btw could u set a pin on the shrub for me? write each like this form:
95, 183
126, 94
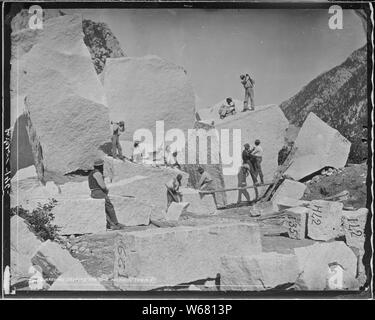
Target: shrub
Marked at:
39, 220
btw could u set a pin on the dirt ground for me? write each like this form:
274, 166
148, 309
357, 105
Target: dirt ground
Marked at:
352, 178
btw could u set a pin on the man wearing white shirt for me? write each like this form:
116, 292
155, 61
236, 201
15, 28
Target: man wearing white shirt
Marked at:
257, 152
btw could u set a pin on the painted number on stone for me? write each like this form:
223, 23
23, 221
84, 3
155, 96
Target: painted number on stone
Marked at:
121, 260
315, 217
293, 225
354, 231
36, 20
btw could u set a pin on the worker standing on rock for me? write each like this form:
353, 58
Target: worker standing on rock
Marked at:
257, 152
116, 146
241, 176
100, 191
248, 85
173, 186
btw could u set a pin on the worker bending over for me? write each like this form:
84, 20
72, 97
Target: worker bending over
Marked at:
173, 193
206, 183
100, 191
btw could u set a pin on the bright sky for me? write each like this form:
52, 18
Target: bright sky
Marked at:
281, 49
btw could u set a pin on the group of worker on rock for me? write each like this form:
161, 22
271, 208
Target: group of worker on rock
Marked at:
230, 108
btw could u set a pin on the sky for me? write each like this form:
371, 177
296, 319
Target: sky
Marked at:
282, 49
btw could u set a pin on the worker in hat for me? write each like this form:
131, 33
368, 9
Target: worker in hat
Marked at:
248, 84
243, 172
257, 152
117, 128
173, 193
100, 191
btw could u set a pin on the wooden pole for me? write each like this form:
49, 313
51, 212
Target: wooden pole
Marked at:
233, 189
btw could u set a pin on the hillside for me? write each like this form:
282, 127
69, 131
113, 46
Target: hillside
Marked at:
338, 97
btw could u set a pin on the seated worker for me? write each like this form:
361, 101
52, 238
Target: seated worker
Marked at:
170, 159
173, 186
228, 108
241, 176
100, 191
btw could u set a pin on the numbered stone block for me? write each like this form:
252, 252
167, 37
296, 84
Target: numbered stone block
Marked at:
264, 271
354, 223
325, 266
155, 258
296, 222
175, 210
324, 220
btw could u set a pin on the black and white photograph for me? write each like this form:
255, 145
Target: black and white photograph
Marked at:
194, 149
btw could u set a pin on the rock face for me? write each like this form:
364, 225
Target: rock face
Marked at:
266, 123
290, 189
80, 216
315, 262
264, 271
203, 150
64, 100
101, 43
53, 260
131, 212
148, 89
339, 98
324, 220
175, 210
163, 257
318, 146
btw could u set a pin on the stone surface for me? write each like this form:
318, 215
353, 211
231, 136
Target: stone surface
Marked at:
296, 222
175, 210
80, 216
262, 209
282, 203
151, 190
167, 257
78, 279
131, 212
290, 189
318, 146
264, 271
266, 123
354, 223
62, 97
324, 219
203, 150
315, 261
150, 89
54, 260
23, 244
201, 205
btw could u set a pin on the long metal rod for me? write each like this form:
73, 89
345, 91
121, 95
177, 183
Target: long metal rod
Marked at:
233, 189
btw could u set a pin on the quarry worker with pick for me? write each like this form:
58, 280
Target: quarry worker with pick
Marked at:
248, 85
206, 183
257, 152
117, 128
100, 191
173, 186
241, 176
